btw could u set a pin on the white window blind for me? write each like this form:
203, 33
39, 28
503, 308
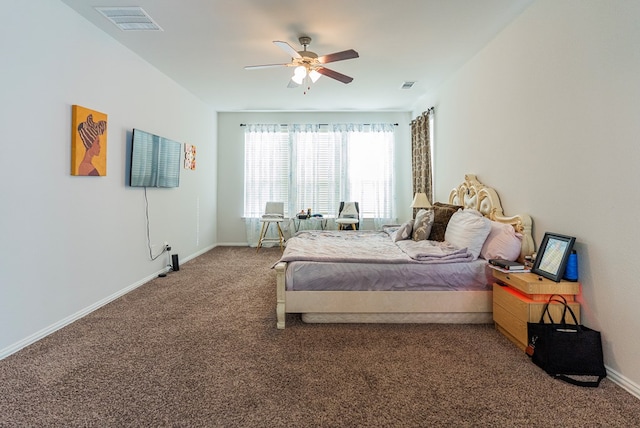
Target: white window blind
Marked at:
317, 167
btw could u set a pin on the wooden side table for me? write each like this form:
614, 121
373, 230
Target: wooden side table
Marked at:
519, 298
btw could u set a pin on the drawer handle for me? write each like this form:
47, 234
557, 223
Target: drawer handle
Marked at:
508, 277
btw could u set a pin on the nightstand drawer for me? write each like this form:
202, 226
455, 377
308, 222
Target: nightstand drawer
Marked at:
510, 301
517, 328
535, 286
528, 310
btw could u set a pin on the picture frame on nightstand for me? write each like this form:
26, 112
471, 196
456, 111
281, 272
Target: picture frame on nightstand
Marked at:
552, 256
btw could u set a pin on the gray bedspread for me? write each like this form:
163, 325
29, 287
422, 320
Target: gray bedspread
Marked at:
368, 260
365, 246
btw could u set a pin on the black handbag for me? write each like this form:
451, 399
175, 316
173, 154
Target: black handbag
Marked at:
564, 350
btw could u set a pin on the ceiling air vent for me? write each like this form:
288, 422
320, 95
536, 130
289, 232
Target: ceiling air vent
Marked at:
129, 18
407, 85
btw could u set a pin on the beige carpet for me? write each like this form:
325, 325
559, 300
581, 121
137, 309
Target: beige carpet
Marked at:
200, 349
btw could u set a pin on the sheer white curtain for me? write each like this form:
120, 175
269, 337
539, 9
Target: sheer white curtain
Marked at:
368, 150
316, 167
266, 175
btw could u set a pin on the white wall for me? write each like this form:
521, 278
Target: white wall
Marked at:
71, 243
548, 114
231, 227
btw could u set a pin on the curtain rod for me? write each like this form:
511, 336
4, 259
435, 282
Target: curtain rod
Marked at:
319, 124
427, 112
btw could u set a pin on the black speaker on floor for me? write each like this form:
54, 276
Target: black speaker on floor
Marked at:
175, 263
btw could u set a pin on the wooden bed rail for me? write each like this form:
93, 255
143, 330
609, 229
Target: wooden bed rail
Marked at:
280, 294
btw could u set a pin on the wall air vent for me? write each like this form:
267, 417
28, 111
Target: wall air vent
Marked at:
129, 18
407, 85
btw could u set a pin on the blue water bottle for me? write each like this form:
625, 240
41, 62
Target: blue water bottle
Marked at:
571, 271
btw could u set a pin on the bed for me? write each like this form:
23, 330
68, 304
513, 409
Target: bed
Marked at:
456, 293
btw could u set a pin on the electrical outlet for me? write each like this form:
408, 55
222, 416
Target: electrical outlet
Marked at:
167, 246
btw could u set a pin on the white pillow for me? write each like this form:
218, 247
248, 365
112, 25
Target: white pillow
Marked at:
468, 229
503, 242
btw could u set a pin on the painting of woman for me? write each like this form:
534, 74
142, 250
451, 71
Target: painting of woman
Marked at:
89, 152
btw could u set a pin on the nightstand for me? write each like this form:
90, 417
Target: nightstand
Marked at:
519, 298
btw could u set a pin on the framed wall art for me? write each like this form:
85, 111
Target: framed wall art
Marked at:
189, 157
88, 142
552, 256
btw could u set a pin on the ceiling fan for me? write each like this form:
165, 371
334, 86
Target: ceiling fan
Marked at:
308, 65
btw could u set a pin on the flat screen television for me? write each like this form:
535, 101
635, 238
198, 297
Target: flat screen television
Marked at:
155, 161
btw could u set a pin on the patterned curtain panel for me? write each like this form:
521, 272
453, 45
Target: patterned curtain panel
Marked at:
421, 154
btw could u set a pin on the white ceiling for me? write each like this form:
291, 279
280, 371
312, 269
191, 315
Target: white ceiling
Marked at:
206, 43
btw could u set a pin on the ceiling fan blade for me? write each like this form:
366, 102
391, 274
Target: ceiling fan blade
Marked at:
287, 48
254, 67
334, 75
338, 56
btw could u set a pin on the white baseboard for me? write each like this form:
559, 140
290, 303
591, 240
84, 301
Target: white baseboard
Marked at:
623, 382
29, 340
199, 253
232, 244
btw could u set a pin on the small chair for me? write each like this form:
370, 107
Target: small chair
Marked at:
273, 213
348, 216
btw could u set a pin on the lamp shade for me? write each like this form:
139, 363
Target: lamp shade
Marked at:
420, 200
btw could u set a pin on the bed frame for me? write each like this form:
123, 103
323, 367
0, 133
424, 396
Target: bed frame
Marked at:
452, 307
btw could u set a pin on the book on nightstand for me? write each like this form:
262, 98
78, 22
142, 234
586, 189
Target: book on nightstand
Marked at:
507, 265
499, 269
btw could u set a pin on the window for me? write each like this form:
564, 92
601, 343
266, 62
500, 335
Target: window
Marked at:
313, 166
266, 171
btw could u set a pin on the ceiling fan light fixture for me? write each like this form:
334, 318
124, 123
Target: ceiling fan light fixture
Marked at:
308, 66
299, 74
314, 75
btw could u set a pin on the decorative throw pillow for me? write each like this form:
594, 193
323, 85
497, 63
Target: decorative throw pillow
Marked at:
451, 206
441, 215
419, 218
468, 229
422, 225
503, 242
403, 232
